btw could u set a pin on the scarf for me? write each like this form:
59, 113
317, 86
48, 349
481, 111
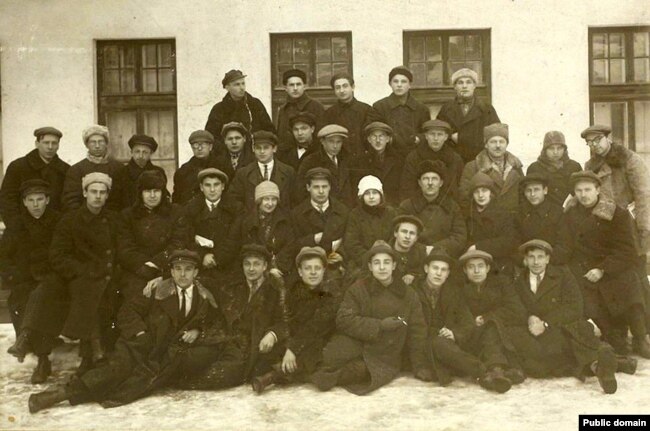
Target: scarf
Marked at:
97, 160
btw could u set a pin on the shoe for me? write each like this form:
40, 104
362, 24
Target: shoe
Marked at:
641, 347
42, 371
45, 399
85, 365
495, 380
605, 368
626, 365
21, 347
260, 383
515, 375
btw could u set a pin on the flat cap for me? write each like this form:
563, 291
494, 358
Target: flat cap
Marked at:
47, 131
145, 140
436, 166
291, 73
184, 255
333, 130
536, 243
400, 70
475, 254
232, 75
406, 218
534, 178
481, 179
495, 129
212, 172
96, 129
35, 185
464, 73
378, 125
318, 173
380, 246
233, 125
439, 254
584, 176
265, 137
436, 124
303, 117
96, 177
309, 252
554, 137
201, 136
596, 129
256, 250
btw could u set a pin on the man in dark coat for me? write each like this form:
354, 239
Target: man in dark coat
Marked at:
265, 168
239, 152
538, 216
96, 140
171, 335
410, 254
83, 254
401, 111
320, 220
597, 241
450, 328
24, 266
333, 156
40, 163
379, 317
444, 226
433, 147
467, 115
142, 147
237, 105
312, 303
349, 112
295, 83
292, 153
186, 183
559, 341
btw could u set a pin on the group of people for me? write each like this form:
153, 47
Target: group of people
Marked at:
341, 246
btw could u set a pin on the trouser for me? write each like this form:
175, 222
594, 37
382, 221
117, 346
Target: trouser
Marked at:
17, 303
614, 328
227, 370
450, 355
485, 342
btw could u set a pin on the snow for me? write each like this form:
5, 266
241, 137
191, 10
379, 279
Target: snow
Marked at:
404, 404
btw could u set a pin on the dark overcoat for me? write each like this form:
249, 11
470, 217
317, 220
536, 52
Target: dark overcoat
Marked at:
538, 222
186, 182
342, 187
132, 172
307, 222
292, 107
223, 161
406, 120
365, 226
388, 168
242, 187
492, 230
354, 116
559, 176
72, 196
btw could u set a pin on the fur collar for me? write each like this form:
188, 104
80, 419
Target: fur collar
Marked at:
484, 163
604, 209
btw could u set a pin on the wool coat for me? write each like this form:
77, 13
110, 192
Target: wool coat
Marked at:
186, 182
538, 221
559, 176
242, 187
405, 119
365, 226
354, 116
492, 230
292, 107
72, 195
307, 222
132, 172
388, 168
342, 187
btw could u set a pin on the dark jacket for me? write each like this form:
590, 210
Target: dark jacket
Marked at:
559, 184
223, 161
406, 120
73, 192
290, 108
493, 231
250, 112
469, 127
26, 168
288, 154
242, 187
538, 222
409, 180
186, 182
365, 226
307, 222
354, 116
387, 168
410, 262
132, 172
342, 187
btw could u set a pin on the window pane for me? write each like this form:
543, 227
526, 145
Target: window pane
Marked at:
477, 67
456, 47
149, 84
419, 74
434, 49
339, 68
434, 74
600, 72
323, 74
339, 49
416, 49
613, 114
149, 55
160, 125
642, 126
284, 51
642, 69
323, 49
300, 50
128, 81
473, 47
165, 55
453, 66
281, 69
128, 56
616, 45
641, 44
111, 57
599, 45
121, 125
166, 80
616, 71
111, 81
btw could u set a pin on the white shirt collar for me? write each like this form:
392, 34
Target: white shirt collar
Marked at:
269, 164
189, 292
210, 203
322, 207
301, 152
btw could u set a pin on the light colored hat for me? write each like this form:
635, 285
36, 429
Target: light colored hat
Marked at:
96, 177
464, 73
476, 254
94, 130
309, 252
266, 188
333, 130
370, 182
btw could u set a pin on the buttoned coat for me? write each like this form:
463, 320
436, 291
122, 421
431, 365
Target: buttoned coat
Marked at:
242, 187
354, 116
72, 196
406, 120
538, 221
308, 222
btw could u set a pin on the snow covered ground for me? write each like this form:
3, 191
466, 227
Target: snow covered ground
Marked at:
404, 404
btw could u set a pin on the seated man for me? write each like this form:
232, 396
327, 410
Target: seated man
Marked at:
378, 318
142, 147
186, 185
171, 335
538, 216
409, 253
312, 303
25, 266
444, 226
596, 240
559, 340
451, 328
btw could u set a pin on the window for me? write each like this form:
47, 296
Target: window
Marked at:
619, 83
319, 55
433, 56
137, 94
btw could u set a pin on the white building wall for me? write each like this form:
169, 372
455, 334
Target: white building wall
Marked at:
539, 56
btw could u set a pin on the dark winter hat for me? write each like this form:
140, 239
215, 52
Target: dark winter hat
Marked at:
150, 180
145, 140
47, 131
476, 254
439, 254
496, 129
596, 129
380, 246
436, 124
264, 137
184, 255
584, 176
400, 70
303, 117
378, 125
481, 179
294, 73
536, 178
309, 252
432, 166
318, 173
36, 185
232, 75
535, 244
212, 172
233, 125
341, 75
201, 136
256, 250
408, 219
553, 137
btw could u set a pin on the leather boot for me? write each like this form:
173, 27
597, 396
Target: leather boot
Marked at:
495, 380
641, 347
515, 375
85, 365
605, 368
260, 383
353, 372
21, 347
42, 371
47, 398
625, 364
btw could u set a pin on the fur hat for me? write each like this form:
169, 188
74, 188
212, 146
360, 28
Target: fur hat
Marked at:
96, 177
400, 70
152, 180
464, 73
481, 179
94, 130
496, 129
553, 137
436, 166
291, 73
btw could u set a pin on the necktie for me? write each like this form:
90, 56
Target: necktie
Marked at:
320, 208
253, 290
183, 310
234, 160
212, 206
266, 172
538, 279
336, 162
